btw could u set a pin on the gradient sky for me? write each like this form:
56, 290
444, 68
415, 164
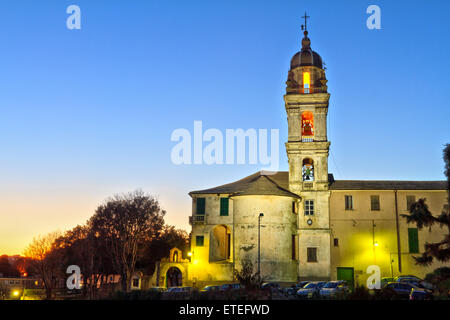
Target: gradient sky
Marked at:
89, 113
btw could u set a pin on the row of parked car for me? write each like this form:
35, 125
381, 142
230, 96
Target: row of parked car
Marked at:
409, 286
406, 287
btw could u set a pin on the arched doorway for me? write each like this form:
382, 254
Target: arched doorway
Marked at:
220, 243
174, 277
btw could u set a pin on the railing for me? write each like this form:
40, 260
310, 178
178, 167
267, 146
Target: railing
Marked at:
197, 219
308, 139
308, 90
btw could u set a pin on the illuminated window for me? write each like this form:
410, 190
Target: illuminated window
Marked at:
308, 169
307, 124
309, 207
306, 82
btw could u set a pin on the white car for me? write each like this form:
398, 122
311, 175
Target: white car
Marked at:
333, 288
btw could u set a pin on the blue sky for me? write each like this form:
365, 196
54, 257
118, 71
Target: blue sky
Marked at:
89, 113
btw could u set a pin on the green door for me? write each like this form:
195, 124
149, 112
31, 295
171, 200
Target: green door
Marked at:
348, 275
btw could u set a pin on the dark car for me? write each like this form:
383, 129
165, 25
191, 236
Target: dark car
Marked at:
384, 281
407, 278
210, 288
420, 294
301, 284
273, 286
402, 289
231, 286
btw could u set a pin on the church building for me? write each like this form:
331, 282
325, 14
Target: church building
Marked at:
303, 224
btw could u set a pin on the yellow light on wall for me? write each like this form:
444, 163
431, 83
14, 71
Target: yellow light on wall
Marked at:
376, 244
190, 254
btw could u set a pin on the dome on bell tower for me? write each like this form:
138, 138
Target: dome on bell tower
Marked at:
306, 57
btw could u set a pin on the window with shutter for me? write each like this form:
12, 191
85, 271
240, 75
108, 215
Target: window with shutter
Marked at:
224, 205
413, 240
200, 205
199, 240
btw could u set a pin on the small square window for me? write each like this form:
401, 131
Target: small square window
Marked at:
136, 282
199, 240
312, 254
375, 203
336, 242
309, 207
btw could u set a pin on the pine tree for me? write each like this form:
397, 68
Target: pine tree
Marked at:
422, 217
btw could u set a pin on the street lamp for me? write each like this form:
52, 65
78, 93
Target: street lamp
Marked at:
259, 245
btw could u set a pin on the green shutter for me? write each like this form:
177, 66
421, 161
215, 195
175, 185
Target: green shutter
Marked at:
224, 202
200, 205
199, 241
413, 239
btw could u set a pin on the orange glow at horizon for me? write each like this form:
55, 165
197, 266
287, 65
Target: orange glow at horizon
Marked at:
25, 216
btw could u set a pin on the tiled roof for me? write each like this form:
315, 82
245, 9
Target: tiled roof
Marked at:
277, 183
260, 183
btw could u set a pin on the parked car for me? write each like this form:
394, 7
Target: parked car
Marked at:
407, 278
420, 294
301, 284
231, 286
384, 281
333, 288
210, 288
310, 290
402, 289
273, 286
179, 289
158, 289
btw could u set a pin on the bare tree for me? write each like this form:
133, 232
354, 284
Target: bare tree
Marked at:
124, 222
44, 259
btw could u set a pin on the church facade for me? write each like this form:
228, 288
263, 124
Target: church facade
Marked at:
303, 224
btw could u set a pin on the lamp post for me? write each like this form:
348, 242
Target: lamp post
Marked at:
259, 245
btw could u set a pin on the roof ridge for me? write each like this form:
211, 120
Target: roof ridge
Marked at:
280, 187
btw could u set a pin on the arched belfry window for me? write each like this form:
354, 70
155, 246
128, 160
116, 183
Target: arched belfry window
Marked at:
307, 124
306, 82
308, 169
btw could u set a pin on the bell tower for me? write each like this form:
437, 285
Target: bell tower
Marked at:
306, 102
